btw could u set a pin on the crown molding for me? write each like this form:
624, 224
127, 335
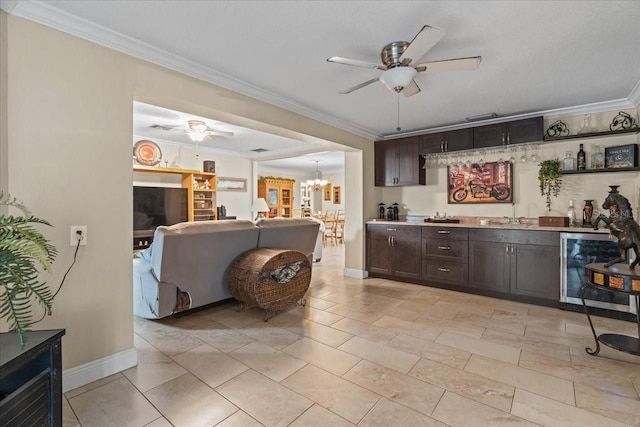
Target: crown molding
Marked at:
8, 5
42, 13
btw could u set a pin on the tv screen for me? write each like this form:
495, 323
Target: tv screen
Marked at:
154, 206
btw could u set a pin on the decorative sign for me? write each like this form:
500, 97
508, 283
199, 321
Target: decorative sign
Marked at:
621, 156
232, 184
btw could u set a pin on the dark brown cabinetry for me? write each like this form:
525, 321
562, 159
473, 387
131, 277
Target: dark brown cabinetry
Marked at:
393, 250
508, 133
445, 254
31, 379
399, 162
442, 142
523, 263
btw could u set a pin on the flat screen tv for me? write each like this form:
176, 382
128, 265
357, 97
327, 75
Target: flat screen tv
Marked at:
154, 206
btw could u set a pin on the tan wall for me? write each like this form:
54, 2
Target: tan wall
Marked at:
3, 103
69, 159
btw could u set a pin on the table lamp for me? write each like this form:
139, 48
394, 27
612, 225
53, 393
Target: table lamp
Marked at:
260, 206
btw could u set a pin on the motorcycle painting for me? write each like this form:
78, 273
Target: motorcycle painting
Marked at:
490, 183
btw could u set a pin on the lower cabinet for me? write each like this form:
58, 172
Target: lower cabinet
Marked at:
525, 263
394, 250
516, 264
444, 255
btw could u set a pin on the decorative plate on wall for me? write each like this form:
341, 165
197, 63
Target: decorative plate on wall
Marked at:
147, 152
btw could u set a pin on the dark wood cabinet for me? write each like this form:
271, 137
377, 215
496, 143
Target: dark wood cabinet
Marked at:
524, 263
445, 254
393, 250
31, 379
442, 142
399, 162
508, 133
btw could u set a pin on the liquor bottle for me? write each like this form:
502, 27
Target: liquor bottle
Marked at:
582, 159
568, 161
571, 213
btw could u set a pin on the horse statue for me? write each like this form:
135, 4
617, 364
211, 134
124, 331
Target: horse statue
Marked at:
621, 225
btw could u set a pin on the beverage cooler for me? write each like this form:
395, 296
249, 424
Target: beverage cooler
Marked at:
578, 250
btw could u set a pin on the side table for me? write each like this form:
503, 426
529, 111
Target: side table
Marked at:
617, 278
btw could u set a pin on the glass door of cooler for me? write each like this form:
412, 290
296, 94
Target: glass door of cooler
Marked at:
578, 250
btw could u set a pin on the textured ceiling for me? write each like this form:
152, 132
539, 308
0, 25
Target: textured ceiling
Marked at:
541, 56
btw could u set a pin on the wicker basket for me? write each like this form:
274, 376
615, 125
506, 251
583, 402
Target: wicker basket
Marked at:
272, 279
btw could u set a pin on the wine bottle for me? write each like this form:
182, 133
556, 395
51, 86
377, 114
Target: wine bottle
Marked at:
582, 159
571, 213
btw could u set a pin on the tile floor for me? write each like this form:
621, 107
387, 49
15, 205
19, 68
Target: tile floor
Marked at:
369, 353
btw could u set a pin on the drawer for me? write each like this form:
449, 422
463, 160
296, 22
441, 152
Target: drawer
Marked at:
454, 250
398, 231
435, 232
445, 272
526, 237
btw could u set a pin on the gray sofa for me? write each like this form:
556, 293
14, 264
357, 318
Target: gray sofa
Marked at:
187, 264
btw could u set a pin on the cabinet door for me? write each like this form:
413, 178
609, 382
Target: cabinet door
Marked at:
489, 265
386, 164
461, 139
535, 271
409, 170
431, 143
379, 255
489, 135
527, 130
407, 257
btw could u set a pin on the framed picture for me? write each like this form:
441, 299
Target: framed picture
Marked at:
490, 183
231, 184
621, 156
327, 192
336, 195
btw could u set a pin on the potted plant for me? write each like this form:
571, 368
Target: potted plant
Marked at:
23, 252
549, 179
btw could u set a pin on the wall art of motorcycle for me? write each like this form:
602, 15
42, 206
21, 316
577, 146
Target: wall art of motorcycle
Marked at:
491, 182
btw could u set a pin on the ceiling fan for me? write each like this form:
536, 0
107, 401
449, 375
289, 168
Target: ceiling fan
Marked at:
196, 129
399, 62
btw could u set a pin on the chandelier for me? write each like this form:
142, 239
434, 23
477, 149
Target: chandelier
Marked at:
318, 183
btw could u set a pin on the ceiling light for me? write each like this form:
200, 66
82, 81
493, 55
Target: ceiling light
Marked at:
318, 183
197, 136
398, 78
197, 126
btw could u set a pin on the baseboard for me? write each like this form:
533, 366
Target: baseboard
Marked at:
355, 273
98, 369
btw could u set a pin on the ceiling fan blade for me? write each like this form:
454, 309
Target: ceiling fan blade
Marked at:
361, 85
455, 64
411, 89
355, 63
422, 43
218, 133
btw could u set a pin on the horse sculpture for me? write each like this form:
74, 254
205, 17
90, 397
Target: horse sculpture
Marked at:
621, 225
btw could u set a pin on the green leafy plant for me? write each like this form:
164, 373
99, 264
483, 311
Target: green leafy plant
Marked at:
549, 179
23, 252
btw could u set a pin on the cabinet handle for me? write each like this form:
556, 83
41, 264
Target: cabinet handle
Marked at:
512, 250
508, 138
389, 240
391, 229
506, 250
444, 270
444, 232
442, 146
446, 146
503, 141
444, 248
393, 241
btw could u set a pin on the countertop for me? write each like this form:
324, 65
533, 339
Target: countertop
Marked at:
495, 223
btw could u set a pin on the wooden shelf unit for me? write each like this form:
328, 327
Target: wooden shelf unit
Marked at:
278, 193
201, 191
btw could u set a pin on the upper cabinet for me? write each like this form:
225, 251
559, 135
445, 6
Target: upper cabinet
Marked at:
399, 162
443, 142
516, 132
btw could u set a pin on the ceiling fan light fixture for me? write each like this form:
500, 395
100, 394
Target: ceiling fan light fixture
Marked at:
398, 78
197, 126
197, 136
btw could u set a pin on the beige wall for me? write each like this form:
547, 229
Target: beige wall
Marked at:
69, 159
4, 170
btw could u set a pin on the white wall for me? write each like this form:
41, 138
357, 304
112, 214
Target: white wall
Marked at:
432, 198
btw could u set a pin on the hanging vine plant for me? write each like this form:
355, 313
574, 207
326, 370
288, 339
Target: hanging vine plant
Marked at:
549, 177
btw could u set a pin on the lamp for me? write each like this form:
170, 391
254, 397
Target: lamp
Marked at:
318, 183
398, 78
259, 207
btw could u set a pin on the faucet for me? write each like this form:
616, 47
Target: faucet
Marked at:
513, 219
